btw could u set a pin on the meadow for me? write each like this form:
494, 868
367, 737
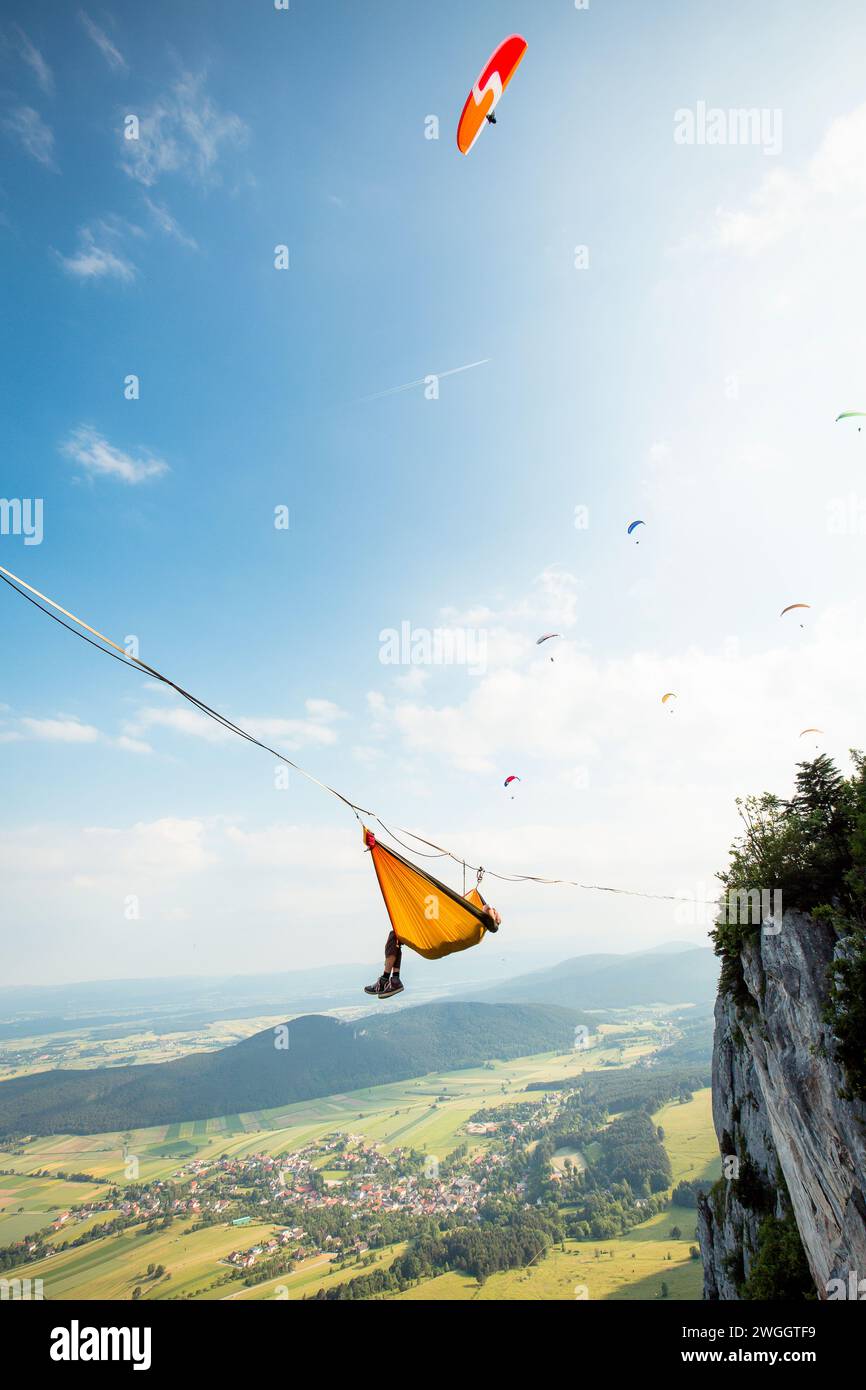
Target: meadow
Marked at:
634, 1266
426, 1113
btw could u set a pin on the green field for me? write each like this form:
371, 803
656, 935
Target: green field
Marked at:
426, 1113
630, 1267
310, 1276
22, 1224
690, 1138
404, 1113
83, 1049
577, 1159
112, 1268
627, 1267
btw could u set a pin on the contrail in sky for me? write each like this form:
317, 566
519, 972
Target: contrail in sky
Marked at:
409, 385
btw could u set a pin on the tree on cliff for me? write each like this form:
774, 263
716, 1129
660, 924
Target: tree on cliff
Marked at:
813, 849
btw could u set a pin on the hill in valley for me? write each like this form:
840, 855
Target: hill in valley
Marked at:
602, 981
308, 1057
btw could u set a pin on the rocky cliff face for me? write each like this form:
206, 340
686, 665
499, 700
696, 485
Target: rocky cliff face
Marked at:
777, 1110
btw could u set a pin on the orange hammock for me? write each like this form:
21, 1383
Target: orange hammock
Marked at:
426, 915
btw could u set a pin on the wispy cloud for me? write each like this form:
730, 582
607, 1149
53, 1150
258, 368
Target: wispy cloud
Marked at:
131, 745
65, 728
551, 602
113, 57
184, 133
87, 448
180, 721
168, 224
316, 730
60, 730
787, 201
34, 59
96, 258
35, 137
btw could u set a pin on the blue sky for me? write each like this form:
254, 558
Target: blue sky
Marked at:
690, 375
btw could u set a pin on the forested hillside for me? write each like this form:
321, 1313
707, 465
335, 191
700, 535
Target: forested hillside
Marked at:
311, 1056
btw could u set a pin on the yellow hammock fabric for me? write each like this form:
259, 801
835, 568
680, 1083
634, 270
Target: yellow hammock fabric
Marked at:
426, 915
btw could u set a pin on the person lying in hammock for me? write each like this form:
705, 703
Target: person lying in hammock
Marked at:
389, 982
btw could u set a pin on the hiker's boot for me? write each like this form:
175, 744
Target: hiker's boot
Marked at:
380, 987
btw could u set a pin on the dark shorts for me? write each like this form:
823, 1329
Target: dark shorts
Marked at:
393, 948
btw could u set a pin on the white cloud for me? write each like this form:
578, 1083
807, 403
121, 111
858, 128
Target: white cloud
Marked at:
184, 133
27, 127
170, 845
60, 730
787, 203
414, 680
131, 745
367, 756
287, 734
97, 259
284, 846
195, 883
109, 855
87, 448
551, 602
185, 721
66, 729
113, 57
169, 225
34, 59
324, 711
605, 712
101, 253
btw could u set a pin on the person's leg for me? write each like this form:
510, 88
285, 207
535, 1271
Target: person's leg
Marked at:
393, 956
389, 981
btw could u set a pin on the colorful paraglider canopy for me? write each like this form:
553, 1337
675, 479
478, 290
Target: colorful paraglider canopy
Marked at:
498, 72
510, 779
457, 924
671, 695
850, 415
634, 526
546, 638
792, 606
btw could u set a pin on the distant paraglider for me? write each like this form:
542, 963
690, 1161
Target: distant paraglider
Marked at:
633, 527
811, 731
546, 637
671, 695
498, 72
851, 415
792, 606
509, 782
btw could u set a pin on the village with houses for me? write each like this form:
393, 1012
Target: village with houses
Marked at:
333, 1198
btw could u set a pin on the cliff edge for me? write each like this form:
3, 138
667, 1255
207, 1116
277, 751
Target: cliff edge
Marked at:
793, 1150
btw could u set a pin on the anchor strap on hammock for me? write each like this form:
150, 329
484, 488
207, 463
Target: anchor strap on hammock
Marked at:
427, 916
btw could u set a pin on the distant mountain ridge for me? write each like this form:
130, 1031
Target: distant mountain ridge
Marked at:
184, 1002
607, 981
322, 1057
